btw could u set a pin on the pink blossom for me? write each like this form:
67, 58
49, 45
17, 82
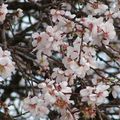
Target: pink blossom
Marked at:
3, 12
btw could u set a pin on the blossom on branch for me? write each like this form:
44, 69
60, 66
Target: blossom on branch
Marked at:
3, 12
7, 66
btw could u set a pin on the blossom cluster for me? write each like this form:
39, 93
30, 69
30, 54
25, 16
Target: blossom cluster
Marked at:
66, 57
95, 95
74, 39
7, 66
53, 96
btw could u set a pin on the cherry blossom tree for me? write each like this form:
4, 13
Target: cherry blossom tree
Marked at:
60, 59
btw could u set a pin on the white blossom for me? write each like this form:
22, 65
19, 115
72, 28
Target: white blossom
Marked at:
19, 12
95, 95
95, 8
3, 12
7, 66
36, 106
